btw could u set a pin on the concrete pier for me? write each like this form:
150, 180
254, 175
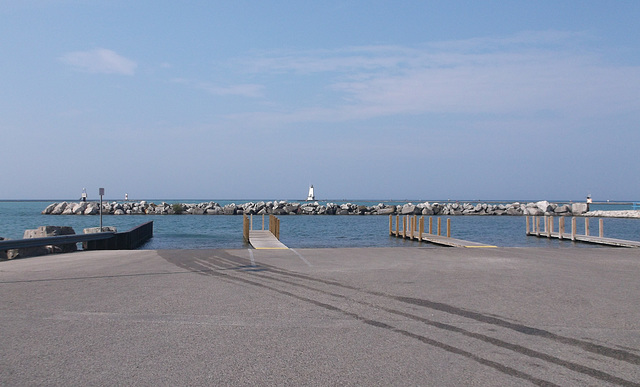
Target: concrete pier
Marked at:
365, 316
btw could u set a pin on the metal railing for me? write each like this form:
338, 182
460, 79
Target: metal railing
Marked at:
53, 241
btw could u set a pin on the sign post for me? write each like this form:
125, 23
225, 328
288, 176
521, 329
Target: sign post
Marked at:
101, 192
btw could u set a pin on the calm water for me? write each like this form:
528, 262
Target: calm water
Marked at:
300, 231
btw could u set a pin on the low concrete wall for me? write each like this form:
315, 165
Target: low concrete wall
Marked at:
47, 240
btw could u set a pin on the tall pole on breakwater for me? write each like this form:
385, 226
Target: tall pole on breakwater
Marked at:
101, 192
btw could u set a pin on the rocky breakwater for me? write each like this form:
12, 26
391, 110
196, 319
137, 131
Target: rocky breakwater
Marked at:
284, 207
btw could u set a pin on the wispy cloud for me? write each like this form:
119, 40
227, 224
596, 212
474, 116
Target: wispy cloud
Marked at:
100, 60
481, 50
249, 90
524, 74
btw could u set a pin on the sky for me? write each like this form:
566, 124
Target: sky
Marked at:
377, 100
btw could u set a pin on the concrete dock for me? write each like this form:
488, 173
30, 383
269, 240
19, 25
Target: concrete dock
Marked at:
352, 317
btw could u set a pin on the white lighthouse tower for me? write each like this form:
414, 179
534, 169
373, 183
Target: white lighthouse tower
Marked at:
311, 196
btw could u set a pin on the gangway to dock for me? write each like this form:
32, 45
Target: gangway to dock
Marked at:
414, 229
263, 239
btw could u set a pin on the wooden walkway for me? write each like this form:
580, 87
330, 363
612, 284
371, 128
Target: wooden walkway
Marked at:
414, 229
589, 239
533, 229
450, 242
263, 239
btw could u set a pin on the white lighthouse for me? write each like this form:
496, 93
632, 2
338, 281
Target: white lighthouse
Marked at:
311, 196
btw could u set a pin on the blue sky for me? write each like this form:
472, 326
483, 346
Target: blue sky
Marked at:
364, 99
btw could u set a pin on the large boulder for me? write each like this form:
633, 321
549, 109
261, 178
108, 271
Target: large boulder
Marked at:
291, 208
7, 254
579, 208
92, 209
562, 210
362, 209
196, 211
68, 210
59, 208
457, 210
408, 209
281, 211
79, 208
94, 230
47, 231
308, 209
387, 210
49, 209
248, 208
230, 209
514, 211
534, 211
427, 210
545, 206
332, 208
214, 211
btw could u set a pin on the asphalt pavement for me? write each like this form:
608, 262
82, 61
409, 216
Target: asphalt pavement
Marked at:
323, 317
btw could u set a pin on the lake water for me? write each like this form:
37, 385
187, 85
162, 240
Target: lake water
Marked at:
301, 231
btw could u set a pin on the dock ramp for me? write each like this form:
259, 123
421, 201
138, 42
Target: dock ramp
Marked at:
263, 239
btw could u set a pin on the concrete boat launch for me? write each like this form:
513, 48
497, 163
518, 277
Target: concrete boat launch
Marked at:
364, 316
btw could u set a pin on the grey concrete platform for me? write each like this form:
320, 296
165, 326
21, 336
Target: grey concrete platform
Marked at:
352, 317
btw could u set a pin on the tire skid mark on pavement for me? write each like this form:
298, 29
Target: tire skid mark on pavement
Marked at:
230, 261
222, 264
614, 353
592, 372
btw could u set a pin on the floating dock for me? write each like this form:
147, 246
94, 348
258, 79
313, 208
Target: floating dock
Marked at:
414, 228
533, 229
263, 239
